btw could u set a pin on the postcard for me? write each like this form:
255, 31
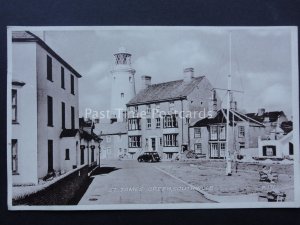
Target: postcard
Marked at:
150, 117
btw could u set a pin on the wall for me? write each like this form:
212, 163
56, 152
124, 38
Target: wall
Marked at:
53, 89
116, 142
24, 69
203, 140
69, 143
71, 187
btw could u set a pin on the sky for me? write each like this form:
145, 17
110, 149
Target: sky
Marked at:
260, 61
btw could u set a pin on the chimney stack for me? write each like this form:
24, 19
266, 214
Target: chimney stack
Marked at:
188, 74
215, 103
233, 104
146, 81
261, 111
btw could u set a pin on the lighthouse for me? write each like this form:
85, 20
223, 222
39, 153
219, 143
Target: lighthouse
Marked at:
122, 84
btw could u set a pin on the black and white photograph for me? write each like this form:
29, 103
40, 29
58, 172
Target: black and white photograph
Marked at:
152, 117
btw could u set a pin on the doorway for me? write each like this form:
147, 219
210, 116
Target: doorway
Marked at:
50, 156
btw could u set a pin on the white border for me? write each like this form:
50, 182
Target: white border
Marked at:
295, 91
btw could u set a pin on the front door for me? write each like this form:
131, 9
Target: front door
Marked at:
50, 156
82, 156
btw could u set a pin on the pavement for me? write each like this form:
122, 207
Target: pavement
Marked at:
130, 182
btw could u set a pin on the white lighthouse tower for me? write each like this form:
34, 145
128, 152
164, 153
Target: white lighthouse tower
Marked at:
122, 85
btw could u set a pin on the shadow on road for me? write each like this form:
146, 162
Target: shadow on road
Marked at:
104, 170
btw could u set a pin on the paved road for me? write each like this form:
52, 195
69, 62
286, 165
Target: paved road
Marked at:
130, 182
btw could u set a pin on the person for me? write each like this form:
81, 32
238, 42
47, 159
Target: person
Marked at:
270, 175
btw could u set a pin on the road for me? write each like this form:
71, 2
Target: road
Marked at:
130, 182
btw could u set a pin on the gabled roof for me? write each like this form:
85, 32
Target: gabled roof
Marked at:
115, 128
287, 126
220, 118
26, 36
167, 91
273, 116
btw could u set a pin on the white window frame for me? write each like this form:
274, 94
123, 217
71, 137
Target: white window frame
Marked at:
158, 122
198, 148
241, 131
14, 105
149, 123
134, 141
222, 132
170, 140
213, 135
197, 134
14, 156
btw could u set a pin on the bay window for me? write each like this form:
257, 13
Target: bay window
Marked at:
134, 141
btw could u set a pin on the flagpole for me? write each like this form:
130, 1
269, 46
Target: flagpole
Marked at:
227, 154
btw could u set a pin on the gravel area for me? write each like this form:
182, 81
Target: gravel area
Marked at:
210, 175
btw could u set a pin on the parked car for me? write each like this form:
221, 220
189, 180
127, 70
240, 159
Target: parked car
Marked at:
149, 157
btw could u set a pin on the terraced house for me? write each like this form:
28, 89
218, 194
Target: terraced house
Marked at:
160, 114
45, 125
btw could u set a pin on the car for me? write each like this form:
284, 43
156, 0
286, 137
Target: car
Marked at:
149, 157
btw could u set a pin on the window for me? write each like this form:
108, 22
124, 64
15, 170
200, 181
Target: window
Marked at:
134, 141
136, 109
241, 130
222, 132
198, 148
50, 110
108, 139
14, 156
134, 124
269, 150
67, 154
49, 68
148, 110
213, 133
170, 140
72, 117
14, 105
170, 121
108, 150
157, 122
160, 141
222, 149
62, 77
242, 145
169, 155
72, 85
63, 119
171, 106
197, 132
122, 95
291, 148
148, 123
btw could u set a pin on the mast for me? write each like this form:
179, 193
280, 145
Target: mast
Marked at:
227, 154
